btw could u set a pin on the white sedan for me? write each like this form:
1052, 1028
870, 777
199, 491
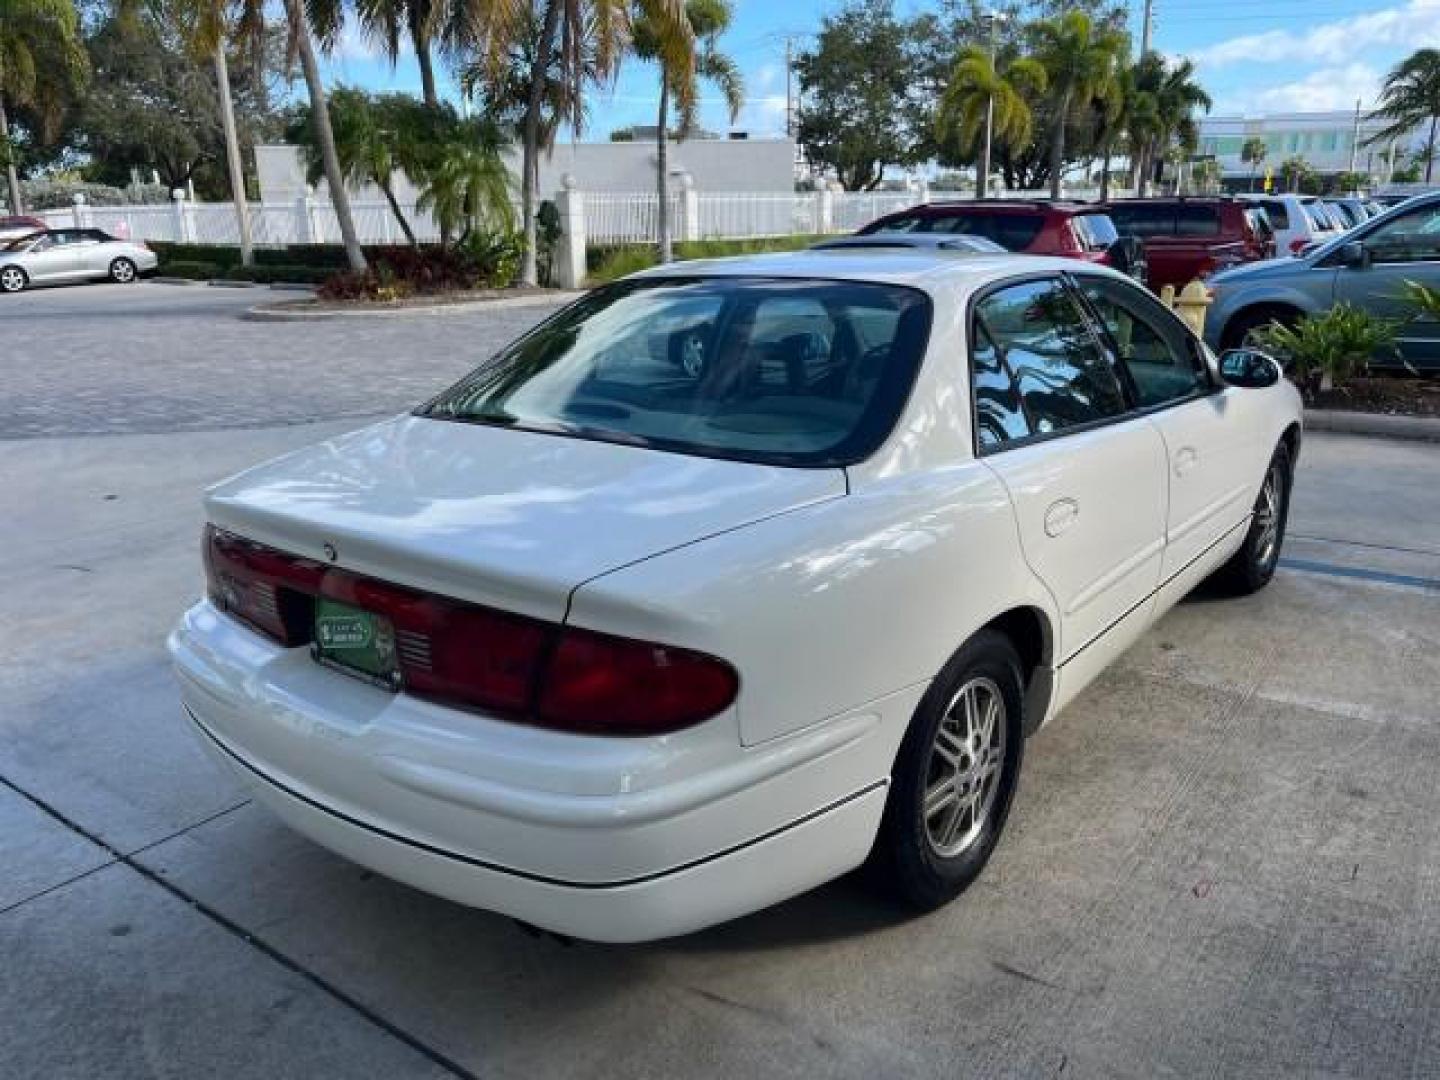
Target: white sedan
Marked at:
623, 646
59, 255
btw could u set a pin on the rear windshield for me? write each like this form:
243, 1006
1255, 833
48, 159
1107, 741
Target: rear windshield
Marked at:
1260, 222
777, 371
1096, 231
1144, 219
1012, 231
1318, 215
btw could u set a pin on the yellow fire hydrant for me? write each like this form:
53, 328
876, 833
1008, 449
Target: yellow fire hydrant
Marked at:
1190, 305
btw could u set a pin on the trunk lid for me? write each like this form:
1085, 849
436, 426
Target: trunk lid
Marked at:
511, 519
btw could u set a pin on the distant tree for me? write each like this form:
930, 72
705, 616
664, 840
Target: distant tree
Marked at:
1293, 171
1080, 60
42, 65
1410, 97
1252, 153
1111, 106
976, 82
1163, 113
854, 113
708, 20
467, 185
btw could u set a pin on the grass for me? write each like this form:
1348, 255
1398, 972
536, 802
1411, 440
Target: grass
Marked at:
610, 263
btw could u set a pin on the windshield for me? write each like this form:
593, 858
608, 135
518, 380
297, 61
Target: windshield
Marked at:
778, 371
19, 243
1012, 231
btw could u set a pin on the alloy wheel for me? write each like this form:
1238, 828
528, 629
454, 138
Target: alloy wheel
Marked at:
11, 279
1268, 513
122, 271
964, 771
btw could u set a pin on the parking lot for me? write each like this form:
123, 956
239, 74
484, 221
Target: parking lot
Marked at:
1223, 859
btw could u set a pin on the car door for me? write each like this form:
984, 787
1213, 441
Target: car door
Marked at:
1399, 249
49, 259
1085, 473
1212, 462
92, 254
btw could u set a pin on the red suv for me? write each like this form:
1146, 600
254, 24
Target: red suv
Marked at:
1188, 239
1033, 227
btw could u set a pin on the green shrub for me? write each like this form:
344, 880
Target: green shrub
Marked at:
1329, 348
194, 271
611, 262
280, 272
215, 254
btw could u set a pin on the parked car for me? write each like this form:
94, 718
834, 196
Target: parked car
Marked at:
883, 241
1367, 267
1298, 220
624, 653
12, 228
1188, 239
1352, 210
59, 255
1031, 227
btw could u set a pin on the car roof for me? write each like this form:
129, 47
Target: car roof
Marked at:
955, 243
921, 268
1029, 206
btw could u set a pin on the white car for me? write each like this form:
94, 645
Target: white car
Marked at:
59, 255
624, 648
1298, 220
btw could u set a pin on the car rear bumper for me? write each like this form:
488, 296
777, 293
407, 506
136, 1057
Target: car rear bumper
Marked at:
604, 839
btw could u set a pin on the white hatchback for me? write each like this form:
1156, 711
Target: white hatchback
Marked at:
726, 579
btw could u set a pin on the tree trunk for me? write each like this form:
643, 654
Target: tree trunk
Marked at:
232, 157
320, 112
1057, 146
12, 175
662, 174
1105, 173
1430, 149
420, 41
529, 268
399, 214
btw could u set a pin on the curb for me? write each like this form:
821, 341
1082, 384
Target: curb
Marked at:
225, 283
286, 311
1380, 425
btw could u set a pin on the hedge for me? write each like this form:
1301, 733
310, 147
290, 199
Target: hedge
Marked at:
609, 262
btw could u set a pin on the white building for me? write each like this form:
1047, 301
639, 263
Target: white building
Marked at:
1327, 140
728, 165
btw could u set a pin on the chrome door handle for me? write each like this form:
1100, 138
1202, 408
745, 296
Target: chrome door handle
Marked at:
1186, 458
1060, 516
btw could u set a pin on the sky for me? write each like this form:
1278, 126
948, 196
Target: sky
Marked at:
1253, 56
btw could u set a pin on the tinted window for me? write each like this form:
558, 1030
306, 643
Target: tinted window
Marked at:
1197, 221
1411, 237
1278, 215
1260, 222
781, 371
1143, 219
1065, 378
998, 415
1012, 231
1159, 355
1096, 231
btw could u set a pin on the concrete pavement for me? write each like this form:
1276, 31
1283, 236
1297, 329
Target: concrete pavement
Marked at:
1222, 860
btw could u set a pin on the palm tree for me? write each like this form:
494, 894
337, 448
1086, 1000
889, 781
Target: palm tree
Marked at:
469, 187
975, 82
708, 19
1180, 95
204, 27
387, 22
1252, 153
583, 40
1112, 108
1162, 113
1409, 97
1079, 60
41, 59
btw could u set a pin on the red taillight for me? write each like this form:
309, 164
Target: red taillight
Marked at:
616, 686
464, 654
1298, 244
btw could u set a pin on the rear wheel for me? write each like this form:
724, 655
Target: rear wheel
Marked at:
122, 271
955, 776
1251, 568
12, 279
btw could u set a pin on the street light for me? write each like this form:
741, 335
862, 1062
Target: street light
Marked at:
989, 20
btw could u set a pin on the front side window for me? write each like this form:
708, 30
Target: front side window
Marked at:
1065, 379
1159, 355
1412, 237
778, 371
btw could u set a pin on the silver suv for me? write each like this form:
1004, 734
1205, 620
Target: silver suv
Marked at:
1366, 267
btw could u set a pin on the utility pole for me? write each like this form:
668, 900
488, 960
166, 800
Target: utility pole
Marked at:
1146, 26
991, 20
1355, 137
790, 88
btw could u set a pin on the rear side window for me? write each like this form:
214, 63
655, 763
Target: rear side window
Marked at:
1064, 378
1096, 231
999, 417
1144, 219
1012, 231
1275, 210
1197, 221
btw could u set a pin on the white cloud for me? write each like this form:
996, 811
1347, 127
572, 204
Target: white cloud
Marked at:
1323, 90
1413, 26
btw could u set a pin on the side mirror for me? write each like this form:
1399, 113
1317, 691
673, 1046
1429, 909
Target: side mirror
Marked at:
1249, 368
1354, 254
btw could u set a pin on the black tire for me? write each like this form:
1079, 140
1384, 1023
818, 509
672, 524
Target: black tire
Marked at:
689, 351
13, 279
123, 271
908, 860
1241, 326
1251, 568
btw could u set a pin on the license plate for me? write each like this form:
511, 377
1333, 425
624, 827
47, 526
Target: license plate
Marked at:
360, 642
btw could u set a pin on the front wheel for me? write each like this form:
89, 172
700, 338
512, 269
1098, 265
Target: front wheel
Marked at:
12, 279
1251, 568
955, 776
122, 271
